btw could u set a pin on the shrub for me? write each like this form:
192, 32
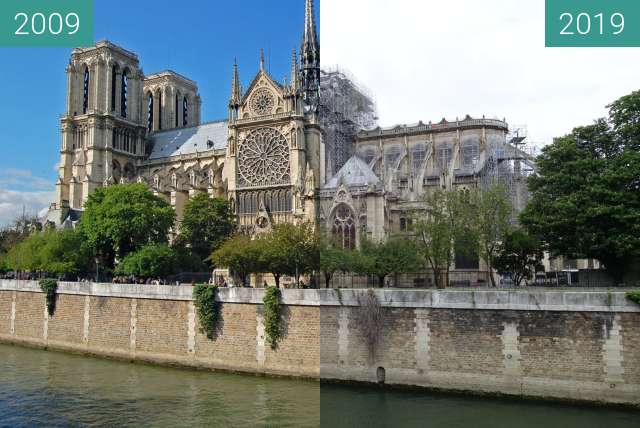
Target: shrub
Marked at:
634, 296
272, 316
50, 287
204, 296
154, 260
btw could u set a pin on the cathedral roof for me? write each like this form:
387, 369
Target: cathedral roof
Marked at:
355, 172
185, 141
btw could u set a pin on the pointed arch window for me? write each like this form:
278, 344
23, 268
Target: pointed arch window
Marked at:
114, 82
150, 113
124, 93
160, 110
85, 91
185, 108
344, 227
177, 110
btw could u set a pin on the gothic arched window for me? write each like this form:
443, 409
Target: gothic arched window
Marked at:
124, 93
160, 110
344, 227
85, 91
177, 109
418, 155
391, 156
185, 108
114, 82
470, 154
445, 154
150, 113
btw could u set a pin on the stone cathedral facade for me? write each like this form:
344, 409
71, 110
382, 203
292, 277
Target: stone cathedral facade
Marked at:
122, 126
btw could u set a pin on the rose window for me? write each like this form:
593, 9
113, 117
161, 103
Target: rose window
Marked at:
263, 158
262, 102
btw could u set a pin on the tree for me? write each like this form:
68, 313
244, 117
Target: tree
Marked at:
585, 200
492, 214
445, 222
332, 259
121, 219
153, 260
519, 255
25, 256
289, 249
239, 254
390, 257
206, 224
64, 252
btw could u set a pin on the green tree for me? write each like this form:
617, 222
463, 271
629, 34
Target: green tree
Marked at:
490, 222
206, 224
26, 255
64, 252
121, 219
585, 200
334, 258
519, 255
153, 260
240, 255
391, 257
437, 229
289, 249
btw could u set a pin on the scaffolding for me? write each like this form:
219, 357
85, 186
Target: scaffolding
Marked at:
345, 108
510, 164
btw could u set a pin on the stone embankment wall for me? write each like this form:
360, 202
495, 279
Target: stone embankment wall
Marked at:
579, 345
159, 324
566, 345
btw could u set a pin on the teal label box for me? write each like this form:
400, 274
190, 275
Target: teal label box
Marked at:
592, 23
46, 23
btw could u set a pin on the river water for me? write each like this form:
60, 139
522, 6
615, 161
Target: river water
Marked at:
44, 388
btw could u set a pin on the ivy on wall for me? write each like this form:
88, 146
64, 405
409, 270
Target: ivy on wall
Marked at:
208, 307
272, 316
634, 296
50, 287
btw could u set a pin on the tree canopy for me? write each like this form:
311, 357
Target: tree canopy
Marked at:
153, 260
121, 219
207, 222
585, 200
519, 255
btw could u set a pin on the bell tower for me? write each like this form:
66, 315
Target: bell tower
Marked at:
103, 126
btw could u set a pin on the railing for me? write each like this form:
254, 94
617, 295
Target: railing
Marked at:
269, 117
408, 280
422, 127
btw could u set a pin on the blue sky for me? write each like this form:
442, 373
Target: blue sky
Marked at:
204, 38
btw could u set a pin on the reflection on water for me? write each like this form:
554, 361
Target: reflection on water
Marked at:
40, 388
347, 406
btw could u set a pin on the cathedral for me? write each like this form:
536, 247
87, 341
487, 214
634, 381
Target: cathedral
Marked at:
307, 149
122, 126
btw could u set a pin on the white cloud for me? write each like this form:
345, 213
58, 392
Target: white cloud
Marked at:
22, 179
12, 203
424, 60
21, 190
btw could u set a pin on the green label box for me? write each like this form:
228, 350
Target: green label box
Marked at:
46, 23
592, 23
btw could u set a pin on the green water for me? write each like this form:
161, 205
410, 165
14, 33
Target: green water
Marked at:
41, 388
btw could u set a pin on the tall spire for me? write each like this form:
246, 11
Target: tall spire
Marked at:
261, 59
310, 60
235, 85
310, 43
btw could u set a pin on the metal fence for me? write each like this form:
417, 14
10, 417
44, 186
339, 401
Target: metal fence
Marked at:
408, 280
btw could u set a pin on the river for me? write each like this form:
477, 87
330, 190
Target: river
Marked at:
44, 388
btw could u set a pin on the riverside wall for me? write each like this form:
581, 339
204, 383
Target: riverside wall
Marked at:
570, 345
